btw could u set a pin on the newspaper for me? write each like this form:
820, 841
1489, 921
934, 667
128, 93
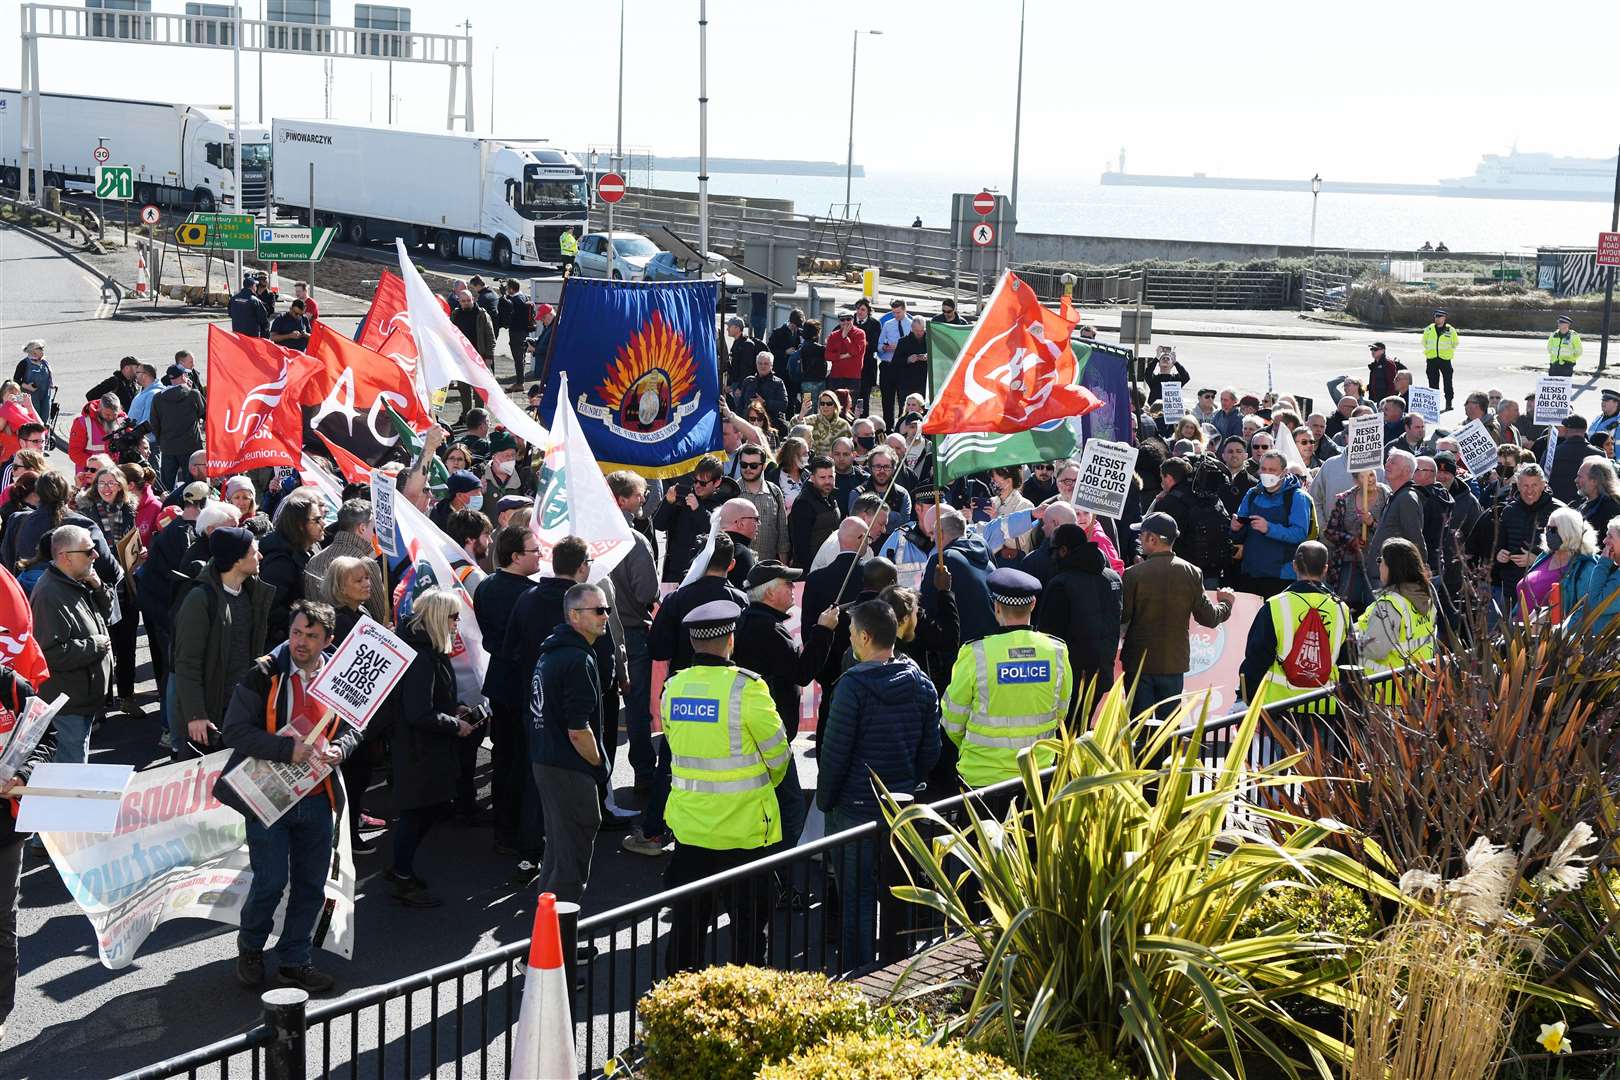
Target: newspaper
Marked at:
25, 735
271, 788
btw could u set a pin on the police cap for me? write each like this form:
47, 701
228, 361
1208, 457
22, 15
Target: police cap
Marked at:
1014, 587
713, 620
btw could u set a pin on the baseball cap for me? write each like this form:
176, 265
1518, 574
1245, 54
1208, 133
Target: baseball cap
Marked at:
771, 570
1160, 524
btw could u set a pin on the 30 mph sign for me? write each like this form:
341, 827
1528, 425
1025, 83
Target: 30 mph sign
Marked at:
102, 155
1608, 249
983, 234
610, 186
984, 204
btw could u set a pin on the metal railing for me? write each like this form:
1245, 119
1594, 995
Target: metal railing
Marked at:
459, 1017
15, 211
1322, 291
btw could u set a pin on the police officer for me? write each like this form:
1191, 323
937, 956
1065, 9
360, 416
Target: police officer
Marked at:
728, 751
1439, 346
1299, 638
568, 245
1563, 348
1008, 689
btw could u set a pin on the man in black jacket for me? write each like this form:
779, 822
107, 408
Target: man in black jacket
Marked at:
1572, 449
506, 684
15, 692
120, 382
293, 854
1081, 605
740, 352
248, 315
684, 514
739, 520
177, 422
815, 514
515, 315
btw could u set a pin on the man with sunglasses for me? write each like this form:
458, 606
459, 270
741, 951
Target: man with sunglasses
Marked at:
70, 606
771, 539
1042, 483
685, 512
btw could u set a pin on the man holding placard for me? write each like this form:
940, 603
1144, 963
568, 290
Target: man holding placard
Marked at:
15, 694
290, 855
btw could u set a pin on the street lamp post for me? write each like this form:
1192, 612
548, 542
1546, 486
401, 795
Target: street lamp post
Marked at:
849, 169
1316, 189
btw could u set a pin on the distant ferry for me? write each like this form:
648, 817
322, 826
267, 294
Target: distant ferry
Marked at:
1513, 173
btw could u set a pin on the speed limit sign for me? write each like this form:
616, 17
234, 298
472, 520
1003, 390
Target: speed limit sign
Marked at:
102, 155
150, 214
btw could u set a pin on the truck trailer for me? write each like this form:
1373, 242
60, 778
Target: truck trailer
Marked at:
463, 194
182, 155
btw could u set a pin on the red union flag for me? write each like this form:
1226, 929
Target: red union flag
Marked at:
1015, 371
387, 305
248, 427
18, 646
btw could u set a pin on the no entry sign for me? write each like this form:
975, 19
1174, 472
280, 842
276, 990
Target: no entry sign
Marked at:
610, 187
984, 204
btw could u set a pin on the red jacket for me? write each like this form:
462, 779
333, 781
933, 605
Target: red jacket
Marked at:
846, 353
89, 436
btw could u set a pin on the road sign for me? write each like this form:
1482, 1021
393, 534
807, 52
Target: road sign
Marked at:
984, 204
1608, 249
983, 234
610, 186
115, 182
226, 232
102, 155
150, 215
191, 234
295, 244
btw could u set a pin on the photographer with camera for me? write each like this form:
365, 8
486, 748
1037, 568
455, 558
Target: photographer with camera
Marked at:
177, 421
91, 428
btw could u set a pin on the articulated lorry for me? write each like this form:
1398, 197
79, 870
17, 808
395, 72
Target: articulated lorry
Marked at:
182, 155
465, 195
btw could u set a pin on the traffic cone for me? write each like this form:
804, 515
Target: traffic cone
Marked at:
543, 1047
140, 274
275, 280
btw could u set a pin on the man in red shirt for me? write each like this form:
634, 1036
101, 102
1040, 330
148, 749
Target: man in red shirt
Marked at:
846, 353
312, 310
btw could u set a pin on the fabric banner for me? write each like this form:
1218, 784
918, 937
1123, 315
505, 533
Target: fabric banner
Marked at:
572, 497
1215, 654
1016, 370
645, 377
179, 853
387, 311
1105, 370
250, 426
968, 453
344, 393
18, 646
436, 561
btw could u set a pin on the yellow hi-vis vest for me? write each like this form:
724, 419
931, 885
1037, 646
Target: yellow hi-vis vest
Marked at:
1008, 691
1562, 351
1287, 610
569, 244
1414, 638
727, 751
1441, 344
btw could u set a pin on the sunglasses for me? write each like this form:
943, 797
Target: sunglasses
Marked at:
751, 464
604, 610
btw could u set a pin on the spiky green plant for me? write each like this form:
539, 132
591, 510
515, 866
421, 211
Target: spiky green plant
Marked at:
1112, 901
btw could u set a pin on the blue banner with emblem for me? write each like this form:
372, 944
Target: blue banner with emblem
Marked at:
643, 373
1105, 371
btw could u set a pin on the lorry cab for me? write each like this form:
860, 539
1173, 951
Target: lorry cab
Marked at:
541, 191
210, 163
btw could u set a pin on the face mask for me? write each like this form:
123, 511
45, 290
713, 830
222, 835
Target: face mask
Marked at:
866, 442
1554, 541
476, 502
503, 469
1270, 481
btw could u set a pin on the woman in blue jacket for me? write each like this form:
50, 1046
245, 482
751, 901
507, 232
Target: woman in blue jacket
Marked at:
1595, 594
1271, 521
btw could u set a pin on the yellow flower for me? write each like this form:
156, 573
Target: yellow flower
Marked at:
610, 1067
1552, 1039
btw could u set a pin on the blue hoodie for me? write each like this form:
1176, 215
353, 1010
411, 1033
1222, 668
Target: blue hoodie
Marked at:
968, 560
884, 720
1271, 554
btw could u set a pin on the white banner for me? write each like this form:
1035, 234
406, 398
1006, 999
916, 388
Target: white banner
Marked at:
1106, 472
1174, 410
1364, 442
179, 853
1425, 401
382, 512
362, 672
1552, 400
1477, 447
572, 497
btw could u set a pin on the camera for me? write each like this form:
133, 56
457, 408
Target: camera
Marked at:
127, 442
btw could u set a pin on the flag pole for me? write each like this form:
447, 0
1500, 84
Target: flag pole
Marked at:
867, 532
551, 342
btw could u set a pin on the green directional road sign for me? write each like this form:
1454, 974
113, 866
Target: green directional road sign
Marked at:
115, 182
227, 232
294, 243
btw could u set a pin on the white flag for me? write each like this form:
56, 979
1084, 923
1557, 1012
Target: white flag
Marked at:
572, 497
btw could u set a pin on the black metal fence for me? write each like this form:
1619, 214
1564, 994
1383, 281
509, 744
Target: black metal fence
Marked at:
824, 906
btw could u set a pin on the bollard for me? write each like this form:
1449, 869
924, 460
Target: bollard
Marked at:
895, 917
568, 927
284, 1015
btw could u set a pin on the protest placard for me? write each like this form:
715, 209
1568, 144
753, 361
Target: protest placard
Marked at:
382, 512
72, 797
1364, 442
1106, 471
1477, 447
177, 852
1552, 400
1174, 410
358, 678
26, 733
1425, 401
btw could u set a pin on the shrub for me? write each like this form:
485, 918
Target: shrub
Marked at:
1328, 908
888, 1057
1053, 1057
723, 1023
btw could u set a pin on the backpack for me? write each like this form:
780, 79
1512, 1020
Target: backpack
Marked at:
1309, 662
1209, 532
1311, 530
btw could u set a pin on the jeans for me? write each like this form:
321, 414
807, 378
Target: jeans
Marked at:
1152, 689
295, 851
573, 816
855, 868
174, 468
638, 705
72, 737
11, 857
790, 801
652, 818
409, 829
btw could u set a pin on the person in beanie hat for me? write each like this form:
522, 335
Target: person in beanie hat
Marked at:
463, 491
220, 628
507, 472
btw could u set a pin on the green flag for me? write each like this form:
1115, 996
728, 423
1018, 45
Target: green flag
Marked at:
961, 455
438, 475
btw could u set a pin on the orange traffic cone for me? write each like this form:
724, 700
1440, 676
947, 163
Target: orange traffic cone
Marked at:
140, 274
543, 1047
275, 279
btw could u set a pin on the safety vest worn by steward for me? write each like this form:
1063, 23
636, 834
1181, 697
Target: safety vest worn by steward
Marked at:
1439, 344
1564, 351
1287, 610
1414, 640
569, 244
727, 751
1008, 691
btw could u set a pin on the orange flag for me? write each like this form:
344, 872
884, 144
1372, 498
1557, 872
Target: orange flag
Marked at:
1016, 371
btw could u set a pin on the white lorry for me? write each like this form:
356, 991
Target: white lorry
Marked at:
183, 155
466, 195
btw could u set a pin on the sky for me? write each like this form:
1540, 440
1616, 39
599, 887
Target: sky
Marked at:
1411, 91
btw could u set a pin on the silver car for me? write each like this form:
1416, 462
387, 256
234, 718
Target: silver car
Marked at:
631, 253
